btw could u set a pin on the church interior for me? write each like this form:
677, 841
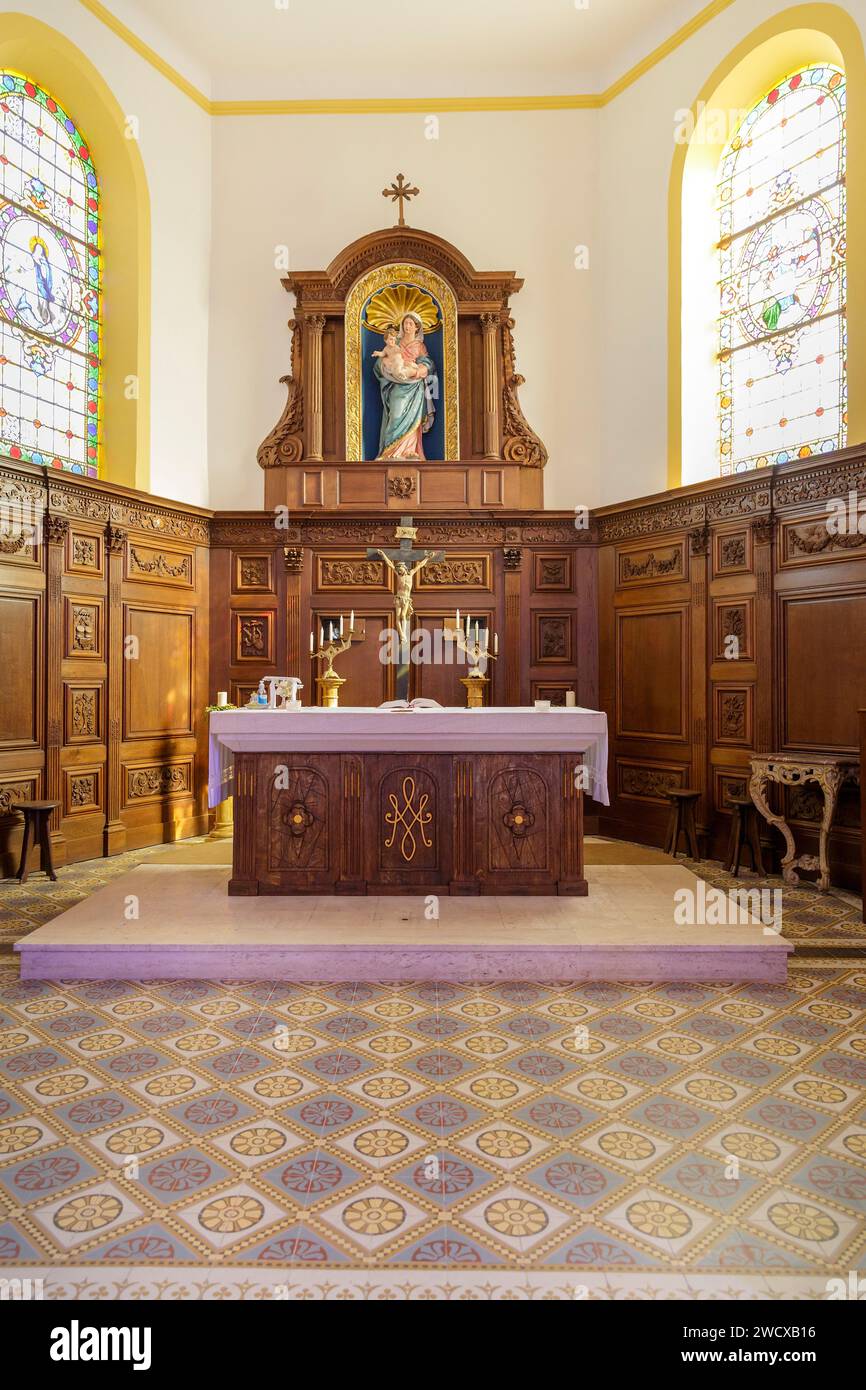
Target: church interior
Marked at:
432, 613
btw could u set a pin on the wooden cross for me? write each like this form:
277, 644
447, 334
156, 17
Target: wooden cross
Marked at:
400, 191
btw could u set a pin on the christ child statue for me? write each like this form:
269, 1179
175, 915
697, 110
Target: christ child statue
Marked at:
393, 363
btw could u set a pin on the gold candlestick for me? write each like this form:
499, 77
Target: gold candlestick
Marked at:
329, 681
477, 652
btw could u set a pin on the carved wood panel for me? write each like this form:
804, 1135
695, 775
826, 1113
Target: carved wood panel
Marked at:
404, 821
83, 711
252, 572
253, 637
171, 566
552, 572
658, 564
82, 790
552, 638
84, 628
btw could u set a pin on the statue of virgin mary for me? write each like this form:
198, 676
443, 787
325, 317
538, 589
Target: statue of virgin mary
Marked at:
408, 400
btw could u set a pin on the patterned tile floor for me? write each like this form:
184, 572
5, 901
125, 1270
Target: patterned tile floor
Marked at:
244, 1140
583, 1133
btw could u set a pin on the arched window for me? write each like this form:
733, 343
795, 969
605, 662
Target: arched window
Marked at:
49, 284
781, 340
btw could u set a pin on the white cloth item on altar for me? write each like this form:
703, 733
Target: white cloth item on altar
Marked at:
220, 772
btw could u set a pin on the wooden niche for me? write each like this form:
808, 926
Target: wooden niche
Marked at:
466, 443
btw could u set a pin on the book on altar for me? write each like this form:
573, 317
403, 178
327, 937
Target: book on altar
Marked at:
416, 704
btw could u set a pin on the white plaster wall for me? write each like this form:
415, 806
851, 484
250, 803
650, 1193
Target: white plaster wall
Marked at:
175, 137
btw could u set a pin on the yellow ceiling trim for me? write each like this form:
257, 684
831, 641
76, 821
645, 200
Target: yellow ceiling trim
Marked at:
335, 106
149, 54
685, 31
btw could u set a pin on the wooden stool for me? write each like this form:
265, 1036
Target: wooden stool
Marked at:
744, 834
36, 817
682, 821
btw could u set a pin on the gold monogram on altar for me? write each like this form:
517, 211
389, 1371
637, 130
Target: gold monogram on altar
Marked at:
410, 817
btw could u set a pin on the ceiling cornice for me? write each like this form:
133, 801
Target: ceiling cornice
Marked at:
580, 101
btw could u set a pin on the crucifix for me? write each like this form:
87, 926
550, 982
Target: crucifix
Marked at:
405, 562
400, 191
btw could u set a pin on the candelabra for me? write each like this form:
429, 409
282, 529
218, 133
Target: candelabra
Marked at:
330, 681
477, 650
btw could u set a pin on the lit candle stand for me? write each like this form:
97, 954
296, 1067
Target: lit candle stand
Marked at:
330, 681
478, 652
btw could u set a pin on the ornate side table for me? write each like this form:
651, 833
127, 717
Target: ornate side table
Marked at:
792, 770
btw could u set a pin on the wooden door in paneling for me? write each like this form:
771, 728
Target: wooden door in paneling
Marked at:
158, 673
368, 679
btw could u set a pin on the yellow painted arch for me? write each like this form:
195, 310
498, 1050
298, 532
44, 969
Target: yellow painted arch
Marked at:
796, 36
48, 58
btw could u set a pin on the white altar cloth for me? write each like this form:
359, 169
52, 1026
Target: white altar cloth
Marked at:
493, 729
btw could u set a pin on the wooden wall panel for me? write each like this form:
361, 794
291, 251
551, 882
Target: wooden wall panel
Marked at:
83, 565
776, 603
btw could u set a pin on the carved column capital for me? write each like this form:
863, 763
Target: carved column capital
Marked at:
764, 529
513, 557
56, 528
315, 322
490, 322
115, 539
293, 558
699, 539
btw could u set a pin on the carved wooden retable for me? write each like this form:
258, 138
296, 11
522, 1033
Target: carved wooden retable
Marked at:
791, 770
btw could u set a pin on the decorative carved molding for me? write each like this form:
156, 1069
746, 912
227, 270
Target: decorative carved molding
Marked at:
643, 565
647, 521
158, 780
470, 574
520, 443
649, 783
351, 574
822, 483
156, 565
285, 443
815, 539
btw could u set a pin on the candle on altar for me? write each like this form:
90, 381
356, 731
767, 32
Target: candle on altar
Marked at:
496, 644
467, 627
352, 621
341, 624
223, 697
312, 644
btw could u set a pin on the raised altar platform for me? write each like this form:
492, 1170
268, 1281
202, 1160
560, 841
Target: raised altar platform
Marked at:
442, 801
189, 928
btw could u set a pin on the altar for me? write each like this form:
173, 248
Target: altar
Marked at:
432, 801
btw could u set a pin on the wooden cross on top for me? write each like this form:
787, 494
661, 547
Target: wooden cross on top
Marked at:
401, 192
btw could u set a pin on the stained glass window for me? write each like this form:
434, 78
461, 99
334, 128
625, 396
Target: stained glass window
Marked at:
782, 340
49, 284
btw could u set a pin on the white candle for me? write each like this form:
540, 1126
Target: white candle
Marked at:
341, 624
570, 699
312, 644
496, 644
457, 617
476, 634
467, 627
352, 621
223, 697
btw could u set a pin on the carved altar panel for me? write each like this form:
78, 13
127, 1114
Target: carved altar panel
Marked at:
298, 822
518, 821
405, 818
